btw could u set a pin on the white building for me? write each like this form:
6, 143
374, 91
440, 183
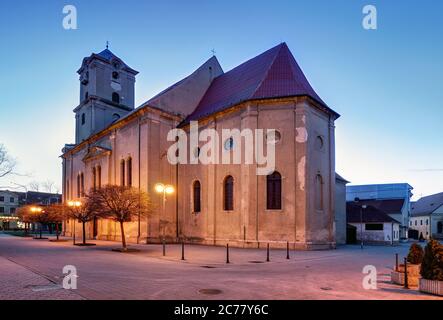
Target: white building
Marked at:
427, 217
393, 199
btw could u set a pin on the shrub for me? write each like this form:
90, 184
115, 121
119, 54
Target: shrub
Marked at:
415, 255
432, 265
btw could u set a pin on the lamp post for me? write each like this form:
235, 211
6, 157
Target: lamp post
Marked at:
75, 205
164, 189
362, 207
37, 210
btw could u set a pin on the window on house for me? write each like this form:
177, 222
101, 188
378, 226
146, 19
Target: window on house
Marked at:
83, 118
11, 210
228, 194
2, 199
197, 196
11, 199
122, 172
416, 222
273, 191
374, 226
129, 169
319, 192
427, 222
421, 222
2, 209
115, 97
440, 227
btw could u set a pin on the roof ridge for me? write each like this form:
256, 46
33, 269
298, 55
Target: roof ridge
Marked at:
269, 69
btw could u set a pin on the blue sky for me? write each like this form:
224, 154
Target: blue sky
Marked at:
386, 84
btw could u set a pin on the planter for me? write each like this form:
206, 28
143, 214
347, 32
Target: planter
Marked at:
413, 269
434, 287
399, 278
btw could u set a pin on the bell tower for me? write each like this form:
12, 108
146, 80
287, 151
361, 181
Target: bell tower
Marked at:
107, 93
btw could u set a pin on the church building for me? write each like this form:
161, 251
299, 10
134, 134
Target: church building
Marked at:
118, 144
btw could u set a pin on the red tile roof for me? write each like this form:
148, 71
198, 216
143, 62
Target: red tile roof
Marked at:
272, 74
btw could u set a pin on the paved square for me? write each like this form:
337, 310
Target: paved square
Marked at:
32, 269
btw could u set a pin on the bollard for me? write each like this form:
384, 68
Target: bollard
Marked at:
396, 262
267, 254
287, 250
227, 253
164, 247
406, 274
183, 250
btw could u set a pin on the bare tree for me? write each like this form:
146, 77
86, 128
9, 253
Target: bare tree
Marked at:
34, 186
7, 164
57, 213
48, 185
121, 204
83, 212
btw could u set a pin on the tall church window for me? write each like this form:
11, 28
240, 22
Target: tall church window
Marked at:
115, 97
319, 201
129, 167
99, 177
78, 186
86, 95
94, 178
82, 185
228, 194
83, 118
273, 191
122, 172
197, 196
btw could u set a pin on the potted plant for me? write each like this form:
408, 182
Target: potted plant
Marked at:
432, 269
414, 259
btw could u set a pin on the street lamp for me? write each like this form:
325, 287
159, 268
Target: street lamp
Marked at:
165, 190
37, 210
74, 204
362, 207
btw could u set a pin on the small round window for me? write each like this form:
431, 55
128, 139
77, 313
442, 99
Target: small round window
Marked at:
273, 136
229, 144
115, 75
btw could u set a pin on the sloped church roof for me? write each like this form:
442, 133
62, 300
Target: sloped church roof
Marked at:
272, 74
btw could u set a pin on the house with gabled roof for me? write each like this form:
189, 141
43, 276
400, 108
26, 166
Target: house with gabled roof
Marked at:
214, 203
427, 217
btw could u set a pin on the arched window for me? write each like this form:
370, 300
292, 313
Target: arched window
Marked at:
197, 196
129, 170
228, 194
99, 177
86, 95
78, 186
83, 118
94, 179
273, 191
122, 173
82, 185
115, 97
319, 192
440, 227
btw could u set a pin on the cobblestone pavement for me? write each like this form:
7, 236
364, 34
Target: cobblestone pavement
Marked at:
104, 274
